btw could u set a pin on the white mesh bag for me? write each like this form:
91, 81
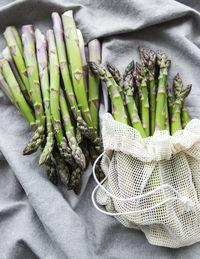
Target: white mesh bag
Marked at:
152, 184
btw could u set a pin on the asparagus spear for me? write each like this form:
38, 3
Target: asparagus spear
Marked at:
12, 90
28, 40
161, 101
170, 100
176, 112
118, 110
178, 86
18, 39
69, 130
17, 56
139, 92
145, 101
83, 58
63, 169
117, 77
129, 100
42, 59
73, 51
94, 53
65, 151
7, 55
150, 63
93, 154
58, 31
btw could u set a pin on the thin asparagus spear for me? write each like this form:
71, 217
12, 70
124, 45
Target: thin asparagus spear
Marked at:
170, 100
63, 169
28, 40
176, 112
161, 101
7, 55
83, 58
65, 151
73, 51
69, 131
117, 77
150, 63
139, 92
129, 100
17, 56
184, 116
13, 92
58, 31
94, 55
145, 100
118, 110
42, 59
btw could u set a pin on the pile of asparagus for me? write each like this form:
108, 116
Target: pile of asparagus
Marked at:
47, 79
142, 97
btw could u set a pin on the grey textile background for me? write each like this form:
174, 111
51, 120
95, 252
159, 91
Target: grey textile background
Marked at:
39, 220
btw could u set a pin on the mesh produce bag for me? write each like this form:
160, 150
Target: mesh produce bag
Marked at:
153, 183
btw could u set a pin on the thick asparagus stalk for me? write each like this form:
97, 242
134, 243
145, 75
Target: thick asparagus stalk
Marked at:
18, 39
7, 55
118, 110
145, 99
28, 40
94, 55
176, 112
69, 131
58, 31
42, 59
12, 90
17, 56
83, 58
73, 51
129, 100
65, 151
161, 101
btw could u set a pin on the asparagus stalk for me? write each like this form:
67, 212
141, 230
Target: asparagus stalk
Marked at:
18, 39
65, 151
178, 86
12, 90
145, 100
28, 40
118, 110
93, 154
63, 169
42, 59
176, 112
129, 100
161, 101
17, 56
138, 99
150, 63
83, 58
94, 55
58, 31
170, 100
73, 51
75, 177
7, 55
117, 77
69, 131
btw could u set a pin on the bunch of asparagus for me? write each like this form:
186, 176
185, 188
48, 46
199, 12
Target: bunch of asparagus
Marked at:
46, 77
142, 98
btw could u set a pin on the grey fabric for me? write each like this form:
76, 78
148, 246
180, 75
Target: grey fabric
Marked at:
39, 220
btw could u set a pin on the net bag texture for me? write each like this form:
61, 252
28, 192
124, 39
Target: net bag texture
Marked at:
152, 184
